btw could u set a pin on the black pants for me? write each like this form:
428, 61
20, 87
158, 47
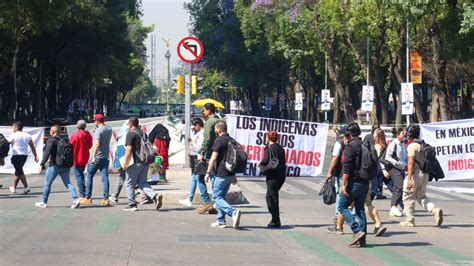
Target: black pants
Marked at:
273, 186
397, 177
18, 162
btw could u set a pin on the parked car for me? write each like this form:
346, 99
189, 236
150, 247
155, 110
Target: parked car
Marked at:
59, 117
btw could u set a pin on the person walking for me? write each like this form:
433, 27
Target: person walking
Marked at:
415, 183
50, 153
99, 160
223, 178
81, 142
354, 188
381, 148
204, 154
160, 138
397, 156
335, 171
196, 180
136, 174
275, 177
20, 142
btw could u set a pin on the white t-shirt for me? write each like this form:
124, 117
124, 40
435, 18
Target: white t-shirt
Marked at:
197, 139
20, 141
337, 149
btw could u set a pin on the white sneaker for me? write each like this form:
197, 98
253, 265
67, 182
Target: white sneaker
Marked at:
236, 219
75, 204
185, 202
12, 190
394, 211
216, 224
41, 205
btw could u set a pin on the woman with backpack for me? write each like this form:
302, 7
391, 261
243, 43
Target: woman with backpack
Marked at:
274, 168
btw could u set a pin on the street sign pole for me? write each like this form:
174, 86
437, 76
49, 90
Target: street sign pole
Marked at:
190, 50
187, 115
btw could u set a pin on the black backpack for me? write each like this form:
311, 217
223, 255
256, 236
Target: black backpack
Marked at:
273, 162
428, 162
235, 159
65, 153
368, 161
4, 146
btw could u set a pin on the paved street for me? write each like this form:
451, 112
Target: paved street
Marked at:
176, 235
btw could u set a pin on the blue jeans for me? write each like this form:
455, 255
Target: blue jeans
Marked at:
198, 180
338, 198
357, 193
102, 165
219, 190
51, 173
79, 175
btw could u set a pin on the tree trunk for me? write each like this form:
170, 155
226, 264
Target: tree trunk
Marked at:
439, 66
336, 109
335, 76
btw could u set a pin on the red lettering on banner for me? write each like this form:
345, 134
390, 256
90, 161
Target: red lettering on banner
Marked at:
460, 165
317, 159
301, 157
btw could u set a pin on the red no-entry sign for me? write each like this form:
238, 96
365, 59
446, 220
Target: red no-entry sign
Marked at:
190, 50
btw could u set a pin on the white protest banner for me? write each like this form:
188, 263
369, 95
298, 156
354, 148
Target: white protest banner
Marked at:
304, 142
454, 144
30, 167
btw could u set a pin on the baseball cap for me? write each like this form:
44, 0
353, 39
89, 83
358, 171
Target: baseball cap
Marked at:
99, 117
81, 124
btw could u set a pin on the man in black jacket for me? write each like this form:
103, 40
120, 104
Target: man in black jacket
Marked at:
353, 187
54, 170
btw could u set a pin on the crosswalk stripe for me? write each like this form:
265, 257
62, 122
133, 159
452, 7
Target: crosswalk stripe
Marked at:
312, 185
254, 187
292, 190
437, 196
459, 195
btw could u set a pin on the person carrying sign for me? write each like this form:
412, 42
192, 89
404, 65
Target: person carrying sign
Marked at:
136, 172
274, 163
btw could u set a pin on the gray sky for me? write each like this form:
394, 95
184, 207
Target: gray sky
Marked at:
171, 21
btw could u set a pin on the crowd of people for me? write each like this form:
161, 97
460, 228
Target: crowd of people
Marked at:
397, 166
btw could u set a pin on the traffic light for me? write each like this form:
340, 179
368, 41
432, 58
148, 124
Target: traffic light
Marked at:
180, 84
194, 84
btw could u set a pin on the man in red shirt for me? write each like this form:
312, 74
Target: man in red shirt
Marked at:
81, 142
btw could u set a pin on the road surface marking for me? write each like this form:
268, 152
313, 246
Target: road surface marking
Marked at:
254, 187
312, 185
292, 190
318, 248
449, 255
109, 223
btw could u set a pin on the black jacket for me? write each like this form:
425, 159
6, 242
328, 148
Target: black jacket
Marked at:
279, 152
352, 160
50, 152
